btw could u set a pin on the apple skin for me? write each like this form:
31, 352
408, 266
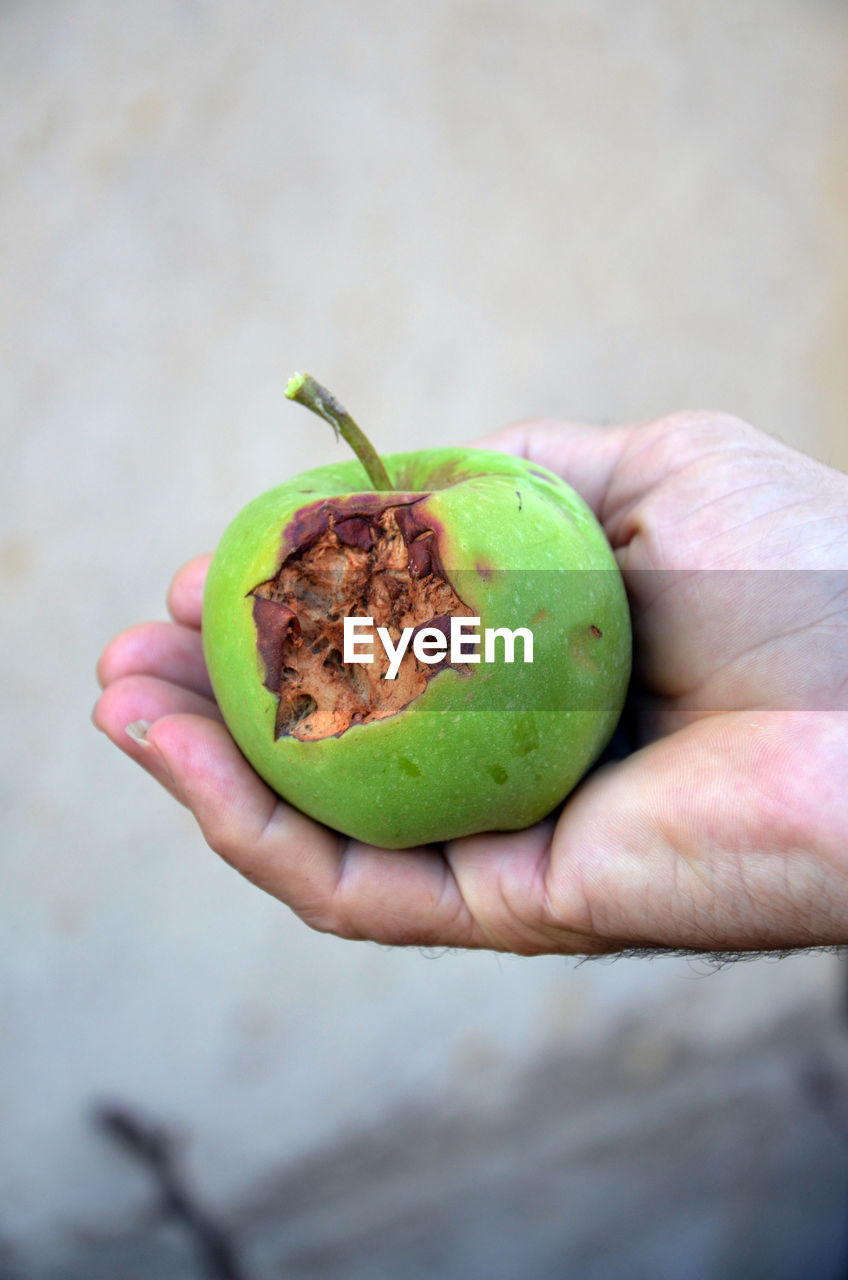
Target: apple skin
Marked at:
496, 749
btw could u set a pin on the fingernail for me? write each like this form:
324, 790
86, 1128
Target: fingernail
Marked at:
137, 730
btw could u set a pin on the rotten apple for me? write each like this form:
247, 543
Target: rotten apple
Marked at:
419, 647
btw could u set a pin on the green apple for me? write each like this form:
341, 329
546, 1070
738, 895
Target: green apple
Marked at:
420, 647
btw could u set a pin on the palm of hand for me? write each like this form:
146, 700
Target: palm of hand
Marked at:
724, 828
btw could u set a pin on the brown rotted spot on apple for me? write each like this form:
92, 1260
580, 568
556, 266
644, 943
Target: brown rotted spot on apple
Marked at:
582, 644
373, 560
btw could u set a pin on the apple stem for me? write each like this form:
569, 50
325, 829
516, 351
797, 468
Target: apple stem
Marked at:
305, 390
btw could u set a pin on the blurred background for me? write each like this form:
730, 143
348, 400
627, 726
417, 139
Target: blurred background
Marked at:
455, 214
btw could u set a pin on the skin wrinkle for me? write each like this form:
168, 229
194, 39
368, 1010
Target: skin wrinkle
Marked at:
543, 875
728, 495
301, 905
748, 890
613, 516
465, 882
752, 649
686, 900
689, 697
681, 902
701, 924
271, 825
743, 900
489, 939
687, 862
513, 898
551, 921
801, 902
791, 867
706, 539
460, 917
456, 921
398, 930
834, 919
781, 899
813, 625
588, 935
280, 822
340, 919
633, 449
600, 935
647, 522
672, 580
492, 912
582, 874
578, 916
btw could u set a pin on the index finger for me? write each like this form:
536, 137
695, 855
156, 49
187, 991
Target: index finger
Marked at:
185, 594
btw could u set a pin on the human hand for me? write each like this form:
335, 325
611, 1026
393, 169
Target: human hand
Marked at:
726, 828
